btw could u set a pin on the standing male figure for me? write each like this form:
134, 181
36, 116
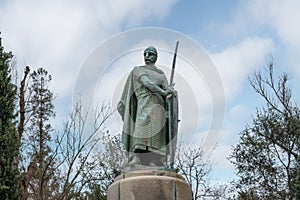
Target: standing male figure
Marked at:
143, 111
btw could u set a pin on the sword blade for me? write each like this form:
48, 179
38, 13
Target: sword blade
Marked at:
174, 63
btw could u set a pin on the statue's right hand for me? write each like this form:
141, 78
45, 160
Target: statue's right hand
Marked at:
168, 91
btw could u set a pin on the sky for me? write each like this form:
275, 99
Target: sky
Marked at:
233, 39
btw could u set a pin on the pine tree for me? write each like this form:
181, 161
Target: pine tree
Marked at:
41, 102
8, 134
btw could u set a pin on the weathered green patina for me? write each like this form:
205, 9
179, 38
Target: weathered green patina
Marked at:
143, 110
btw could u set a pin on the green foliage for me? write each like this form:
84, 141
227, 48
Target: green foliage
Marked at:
266, 156
8, 134
44, 183
41, 103
106, 166
297, 184
94, 193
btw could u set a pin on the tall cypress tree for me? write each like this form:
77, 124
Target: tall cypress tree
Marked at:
8, 133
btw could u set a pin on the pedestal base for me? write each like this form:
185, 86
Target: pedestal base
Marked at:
149, 185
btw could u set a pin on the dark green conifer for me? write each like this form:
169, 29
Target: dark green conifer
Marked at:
9, 144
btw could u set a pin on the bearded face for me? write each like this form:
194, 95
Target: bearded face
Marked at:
150, 55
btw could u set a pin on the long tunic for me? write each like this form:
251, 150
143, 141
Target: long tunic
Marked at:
143, 112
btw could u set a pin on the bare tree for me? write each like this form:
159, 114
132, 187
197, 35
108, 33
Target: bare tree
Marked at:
73, 159
77, 146
22, 97
195, 168
266, 155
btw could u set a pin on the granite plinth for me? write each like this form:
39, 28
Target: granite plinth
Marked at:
149, 185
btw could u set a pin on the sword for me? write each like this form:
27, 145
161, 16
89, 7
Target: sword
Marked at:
173, 64
171, 151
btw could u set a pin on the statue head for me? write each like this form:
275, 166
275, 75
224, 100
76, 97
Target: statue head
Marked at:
150, 55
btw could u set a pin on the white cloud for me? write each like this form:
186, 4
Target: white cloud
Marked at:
265, 25
236, 119
281, 17
220, 157
239, 112
130, 12
235, 62
58, 35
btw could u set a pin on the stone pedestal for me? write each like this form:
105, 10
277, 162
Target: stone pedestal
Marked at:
149, 185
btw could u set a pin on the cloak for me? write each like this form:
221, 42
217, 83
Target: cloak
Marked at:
127, 108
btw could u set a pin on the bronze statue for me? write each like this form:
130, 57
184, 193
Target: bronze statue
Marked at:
143, 107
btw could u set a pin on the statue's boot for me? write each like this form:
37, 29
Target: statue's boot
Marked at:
134, 160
